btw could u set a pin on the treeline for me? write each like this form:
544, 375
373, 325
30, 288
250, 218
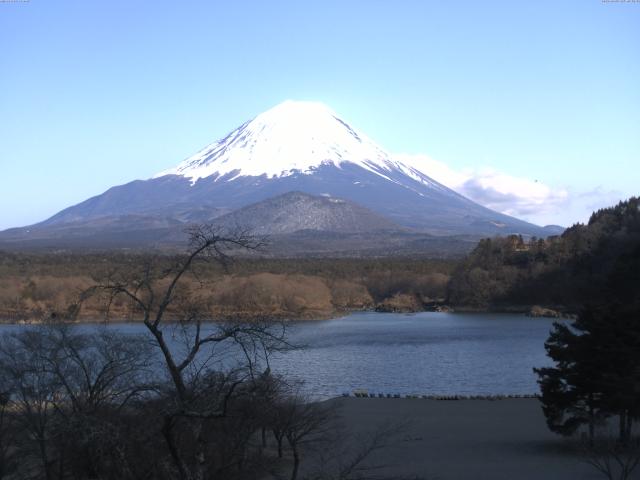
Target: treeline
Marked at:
560, 272
69, 264
38, 286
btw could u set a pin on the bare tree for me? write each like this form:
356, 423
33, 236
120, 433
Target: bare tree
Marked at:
189, 398
33, 392
168, 310
613, 459
352, 457
8, 460
302, 423
56, 377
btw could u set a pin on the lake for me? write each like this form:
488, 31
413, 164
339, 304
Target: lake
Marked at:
424, 353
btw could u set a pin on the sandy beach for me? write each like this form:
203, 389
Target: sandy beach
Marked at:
467, 439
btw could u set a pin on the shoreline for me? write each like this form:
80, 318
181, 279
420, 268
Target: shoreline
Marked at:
363, 393
528, 311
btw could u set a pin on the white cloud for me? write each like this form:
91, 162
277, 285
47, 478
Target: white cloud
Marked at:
524, 198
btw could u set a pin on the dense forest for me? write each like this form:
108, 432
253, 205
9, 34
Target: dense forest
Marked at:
559, 272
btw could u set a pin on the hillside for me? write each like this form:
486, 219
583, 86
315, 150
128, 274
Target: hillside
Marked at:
562, 272
296, 211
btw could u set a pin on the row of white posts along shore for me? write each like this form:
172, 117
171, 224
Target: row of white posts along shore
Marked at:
360, 393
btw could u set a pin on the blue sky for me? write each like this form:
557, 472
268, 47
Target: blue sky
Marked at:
532, 108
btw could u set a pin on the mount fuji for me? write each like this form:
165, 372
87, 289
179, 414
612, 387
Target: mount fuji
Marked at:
293, 147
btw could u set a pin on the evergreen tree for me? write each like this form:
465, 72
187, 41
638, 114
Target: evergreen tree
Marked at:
570, 390
597, 371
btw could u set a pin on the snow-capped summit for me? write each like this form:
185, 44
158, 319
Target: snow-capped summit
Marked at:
292, 137
293, 147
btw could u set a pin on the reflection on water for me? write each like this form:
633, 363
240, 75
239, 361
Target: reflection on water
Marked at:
424, 353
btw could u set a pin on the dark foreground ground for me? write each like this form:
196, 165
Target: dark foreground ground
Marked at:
467, 439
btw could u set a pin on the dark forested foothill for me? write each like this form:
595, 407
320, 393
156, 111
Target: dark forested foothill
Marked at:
559, 272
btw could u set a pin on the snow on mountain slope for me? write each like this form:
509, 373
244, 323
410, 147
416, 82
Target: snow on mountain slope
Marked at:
294, 147
292, 137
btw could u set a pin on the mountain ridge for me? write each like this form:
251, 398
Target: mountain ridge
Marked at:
293, 147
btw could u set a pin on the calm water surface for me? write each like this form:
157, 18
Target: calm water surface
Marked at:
423, 353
